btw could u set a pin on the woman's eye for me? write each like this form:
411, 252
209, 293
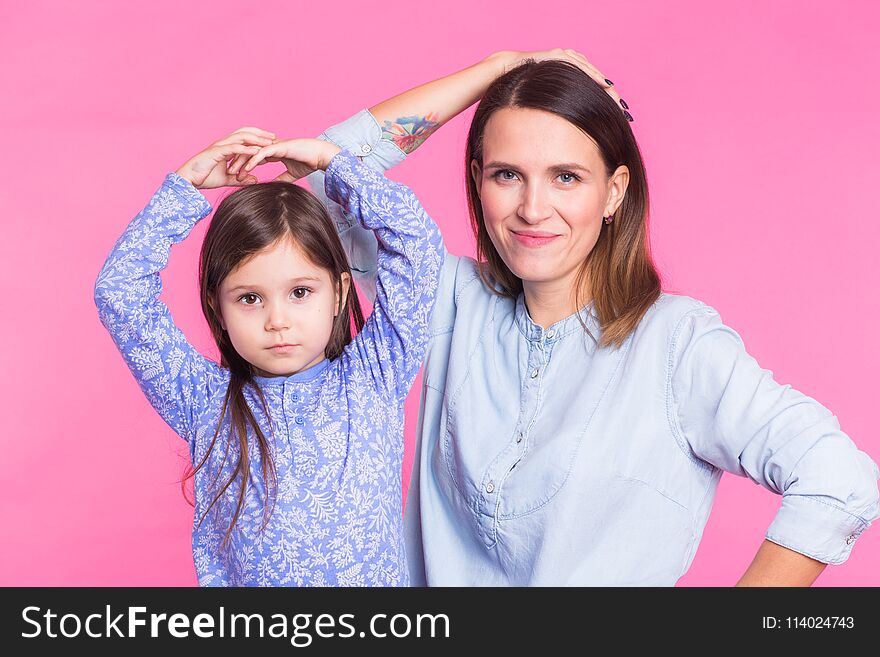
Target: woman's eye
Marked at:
249, 299
505, 174
301, 292
567, 177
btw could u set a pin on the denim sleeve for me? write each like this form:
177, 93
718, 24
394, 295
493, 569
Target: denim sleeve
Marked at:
394, 340
362, 136
172, 373
734, 415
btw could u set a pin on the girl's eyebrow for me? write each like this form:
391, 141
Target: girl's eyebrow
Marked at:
292, 281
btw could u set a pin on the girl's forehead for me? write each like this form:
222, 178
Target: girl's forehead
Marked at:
276, 264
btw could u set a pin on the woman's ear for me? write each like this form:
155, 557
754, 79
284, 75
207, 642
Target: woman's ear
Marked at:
477, 175
342, 289
617, 184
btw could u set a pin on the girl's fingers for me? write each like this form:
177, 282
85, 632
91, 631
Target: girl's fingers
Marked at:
223, 151
236, 163
262, 154
232, 181
244, 138
255, 131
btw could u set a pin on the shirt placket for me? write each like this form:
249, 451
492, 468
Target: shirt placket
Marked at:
530, 398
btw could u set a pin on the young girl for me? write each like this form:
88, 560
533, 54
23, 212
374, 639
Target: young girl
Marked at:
297, 435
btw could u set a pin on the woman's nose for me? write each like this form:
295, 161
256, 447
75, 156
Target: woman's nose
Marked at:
534, 206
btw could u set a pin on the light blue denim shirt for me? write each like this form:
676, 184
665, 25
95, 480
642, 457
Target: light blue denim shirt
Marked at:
542, 459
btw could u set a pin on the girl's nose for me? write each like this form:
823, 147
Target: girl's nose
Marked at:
276, 319
534, 206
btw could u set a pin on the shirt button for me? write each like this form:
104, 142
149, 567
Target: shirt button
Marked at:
850, 539
366, 148
490, 487
299, 420
519, 437
551, 333
535, 373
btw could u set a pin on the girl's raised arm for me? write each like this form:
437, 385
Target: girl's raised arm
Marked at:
174, 376
392, 344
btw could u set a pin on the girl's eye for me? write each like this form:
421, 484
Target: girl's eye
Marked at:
567, 177
301, 292
249, 299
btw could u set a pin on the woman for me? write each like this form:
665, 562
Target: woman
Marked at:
575, 420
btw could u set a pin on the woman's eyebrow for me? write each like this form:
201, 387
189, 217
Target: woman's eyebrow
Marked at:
565, 166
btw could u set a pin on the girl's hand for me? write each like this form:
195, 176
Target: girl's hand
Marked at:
507, 59
300, 156
208, 169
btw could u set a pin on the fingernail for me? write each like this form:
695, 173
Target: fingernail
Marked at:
623, 104
629, 117
609, 82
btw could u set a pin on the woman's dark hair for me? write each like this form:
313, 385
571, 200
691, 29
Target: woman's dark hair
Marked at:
246, 222
619, 271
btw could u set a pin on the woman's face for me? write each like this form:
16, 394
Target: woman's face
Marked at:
544, 192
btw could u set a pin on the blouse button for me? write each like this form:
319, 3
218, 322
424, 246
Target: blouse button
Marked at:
366, 148
299, 420
535, 373
295, 397
490, 487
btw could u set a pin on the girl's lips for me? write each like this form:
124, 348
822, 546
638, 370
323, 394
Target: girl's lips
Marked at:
534, 240
282, 348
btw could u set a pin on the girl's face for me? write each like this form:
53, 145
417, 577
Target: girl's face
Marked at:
544, 192
278, 308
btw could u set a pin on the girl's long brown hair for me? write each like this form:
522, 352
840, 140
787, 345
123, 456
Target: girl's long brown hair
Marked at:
247, 221
619, 273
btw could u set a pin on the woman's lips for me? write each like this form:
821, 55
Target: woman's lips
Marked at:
534, 239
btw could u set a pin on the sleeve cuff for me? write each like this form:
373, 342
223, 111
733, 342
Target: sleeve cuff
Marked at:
189, 196
362, 135
345, 173
815, 529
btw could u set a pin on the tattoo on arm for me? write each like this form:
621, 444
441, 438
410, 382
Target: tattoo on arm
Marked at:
408, 132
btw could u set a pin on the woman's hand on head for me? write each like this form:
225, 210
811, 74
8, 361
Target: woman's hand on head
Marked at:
508, 59
210, 168
300, 156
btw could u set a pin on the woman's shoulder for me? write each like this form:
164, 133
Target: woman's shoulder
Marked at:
670, 311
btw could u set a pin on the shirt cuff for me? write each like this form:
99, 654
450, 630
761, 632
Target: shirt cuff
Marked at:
187, 193
816, 529
362, 135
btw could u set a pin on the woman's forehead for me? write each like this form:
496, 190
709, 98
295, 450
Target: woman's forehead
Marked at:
523, 135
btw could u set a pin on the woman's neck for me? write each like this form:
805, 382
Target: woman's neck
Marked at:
551, 301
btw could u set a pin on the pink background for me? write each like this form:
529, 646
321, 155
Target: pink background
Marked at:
758, 121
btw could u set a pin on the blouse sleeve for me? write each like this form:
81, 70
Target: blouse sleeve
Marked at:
173, 375
732, 414
360, 135
394, 339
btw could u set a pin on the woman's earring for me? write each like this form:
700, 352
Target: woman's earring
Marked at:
609, 219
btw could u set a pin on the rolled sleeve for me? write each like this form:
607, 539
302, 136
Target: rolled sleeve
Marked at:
733, 415
360, 135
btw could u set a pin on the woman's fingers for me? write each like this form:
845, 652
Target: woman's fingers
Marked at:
580, 60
